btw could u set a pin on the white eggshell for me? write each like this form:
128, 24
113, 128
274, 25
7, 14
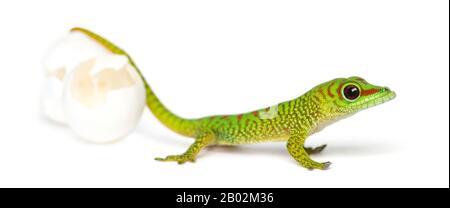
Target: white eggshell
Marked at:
60, 59
103, 99
51, 99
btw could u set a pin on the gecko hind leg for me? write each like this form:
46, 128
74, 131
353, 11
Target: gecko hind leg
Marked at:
315, 150
192, 151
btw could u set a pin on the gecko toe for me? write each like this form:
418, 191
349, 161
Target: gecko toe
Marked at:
326, 165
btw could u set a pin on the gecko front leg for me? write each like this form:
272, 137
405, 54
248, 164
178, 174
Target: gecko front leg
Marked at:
189, 156
299, 153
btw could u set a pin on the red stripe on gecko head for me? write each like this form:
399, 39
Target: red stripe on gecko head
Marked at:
322, 94
329, 89
369, 92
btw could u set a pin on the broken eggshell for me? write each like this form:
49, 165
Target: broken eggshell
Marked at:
103, 98
61, 58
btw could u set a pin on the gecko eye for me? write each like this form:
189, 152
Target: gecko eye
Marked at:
351, 92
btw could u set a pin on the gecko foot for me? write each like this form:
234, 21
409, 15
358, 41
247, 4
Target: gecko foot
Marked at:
320, 166
181, 159
315, 150
326, 165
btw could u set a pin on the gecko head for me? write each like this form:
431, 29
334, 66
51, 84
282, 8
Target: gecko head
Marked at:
345, 96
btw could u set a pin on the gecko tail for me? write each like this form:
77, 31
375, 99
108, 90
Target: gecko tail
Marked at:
172, 121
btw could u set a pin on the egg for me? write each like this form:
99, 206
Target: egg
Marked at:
98, 94
60, 59
103, 98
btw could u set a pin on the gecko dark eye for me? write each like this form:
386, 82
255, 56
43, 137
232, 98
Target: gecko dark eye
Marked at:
351, 92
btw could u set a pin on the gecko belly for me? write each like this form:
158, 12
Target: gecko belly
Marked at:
248, 136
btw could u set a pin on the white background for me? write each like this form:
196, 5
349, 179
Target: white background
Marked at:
221, 57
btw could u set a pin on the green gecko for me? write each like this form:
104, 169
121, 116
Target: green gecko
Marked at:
292, 121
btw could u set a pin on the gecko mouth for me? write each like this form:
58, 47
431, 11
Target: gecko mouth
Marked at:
384, 95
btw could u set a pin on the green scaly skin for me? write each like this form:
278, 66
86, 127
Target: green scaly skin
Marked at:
292, 121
